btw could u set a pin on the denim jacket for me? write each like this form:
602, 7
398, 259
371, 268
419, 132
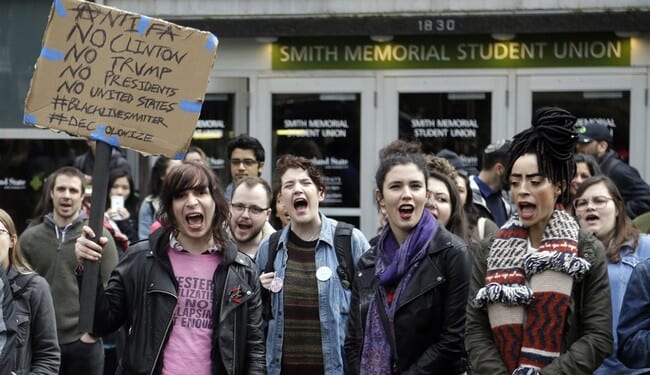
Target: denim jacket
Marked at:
333, 298
634, 325
619, 275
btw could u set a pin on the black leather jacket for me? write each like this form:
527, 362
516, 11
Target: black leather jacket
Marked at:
142, 294
430, 319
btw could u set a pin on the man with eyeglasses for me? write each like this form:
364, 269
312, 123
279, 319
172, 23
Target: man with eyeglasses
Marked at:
250, 209
489, 193
246, 156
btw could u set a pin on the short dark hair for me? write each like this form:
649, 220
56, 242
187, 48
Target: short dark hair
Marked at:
288, 161
246, 142
251, 182
497, 152
400, 152
67, 171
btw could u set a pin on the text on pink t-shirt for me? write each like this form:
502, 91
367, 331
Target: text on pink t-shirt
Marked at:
190, 341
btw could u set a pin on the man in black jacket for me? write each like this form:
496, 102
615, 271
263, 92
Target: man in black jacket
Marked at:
595, 140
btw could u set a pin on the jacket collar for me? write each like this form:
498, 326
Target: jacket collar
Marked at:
160, 243
442, 239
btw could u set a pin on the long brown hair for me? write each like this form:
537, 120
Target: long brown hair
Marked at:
187, 176
624, 229
15, 256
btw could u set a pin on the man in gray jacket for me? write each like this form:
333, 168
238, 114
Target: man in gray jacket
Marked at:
49, 248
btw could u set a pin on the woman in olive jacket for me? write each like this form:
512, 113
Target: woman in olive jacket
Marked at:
189, 300
539, 292
586, 338
410, 290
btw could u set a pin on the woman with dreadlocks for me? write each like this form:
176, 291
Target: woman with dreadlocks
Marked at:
539, 292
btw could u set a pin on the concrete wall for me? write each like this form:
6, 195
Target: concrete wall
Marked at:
251, 8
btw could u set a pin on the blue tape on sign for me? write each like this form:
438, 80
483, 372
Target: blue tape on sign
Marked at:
190, 106
52, 54
179, 156
143, 24
29, 119
60, 9
100, 135
212, 42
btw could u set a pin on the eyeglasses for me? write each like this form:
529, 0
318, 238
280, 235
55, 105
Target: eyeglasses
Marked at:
597, 202
4, 231
239, 209
246, 162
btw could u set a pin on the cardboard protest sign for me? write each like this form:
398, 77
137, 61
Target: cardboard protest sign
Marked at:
123, 78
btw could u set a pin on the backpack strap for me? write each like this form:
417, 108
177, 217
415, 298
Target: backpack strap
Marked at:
343, 247
274, 241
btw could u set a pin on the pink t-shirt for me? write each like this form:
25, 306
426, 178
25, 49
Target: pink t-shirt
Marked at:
190, 342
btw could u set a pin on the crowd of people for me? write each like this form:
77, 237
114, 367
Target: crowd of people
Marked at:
533, 264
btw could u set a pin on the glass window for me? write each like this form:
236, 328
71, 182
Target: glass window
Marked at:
460, 122
214, 130
611, 108
326, 129
25, 165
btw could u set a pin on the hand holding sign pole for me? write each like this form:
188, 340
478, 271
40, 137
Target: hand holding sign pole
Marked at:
123, 80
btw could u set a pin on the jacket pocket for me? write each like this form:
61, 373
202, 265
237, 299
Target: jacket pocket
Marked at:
22, 331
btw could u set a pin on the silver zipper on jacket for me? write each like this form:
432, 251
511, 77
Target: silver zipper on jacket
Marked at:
423, 292
169, 323
214, 325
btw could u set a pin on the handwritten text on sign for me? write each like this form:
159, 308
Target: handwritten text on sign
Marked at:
130, 80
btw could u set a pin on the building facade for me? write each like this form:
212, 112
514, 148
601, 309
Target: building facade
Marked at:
337, 80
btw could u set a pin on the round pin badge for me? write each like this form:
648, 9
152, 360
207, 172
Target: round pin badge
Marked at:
323, 273
276, 285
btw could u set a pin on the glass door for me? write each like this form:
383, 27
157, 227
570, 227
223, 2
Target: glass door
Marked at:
461, 114
331, 122
614, 100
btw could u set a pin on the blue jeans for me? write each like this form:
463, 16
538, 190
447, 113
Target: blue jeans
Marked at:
80, 358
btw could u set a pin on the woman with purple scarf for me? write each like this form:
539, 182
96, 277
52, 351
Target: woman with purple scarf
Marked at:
407, 314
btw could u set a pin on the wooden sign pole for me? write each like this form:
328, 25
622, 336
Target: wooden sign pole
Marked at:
88, 290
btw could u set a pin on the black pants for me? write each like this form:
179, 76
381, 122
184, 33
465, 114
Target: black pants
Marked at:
80, 358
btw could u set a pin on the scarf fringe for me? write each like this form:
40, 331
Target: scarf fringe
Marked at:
509, 295
568, 263
526, 371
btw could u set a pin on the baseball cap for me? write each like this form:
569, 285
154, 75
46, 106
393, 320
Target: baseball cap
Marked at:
501, 146
452, 157
594, 132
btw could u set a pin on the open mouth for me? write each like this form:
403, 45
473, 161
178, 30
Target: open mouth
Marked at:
526, 210
591, 218
244, 225
406, 211
194, 219
300, 204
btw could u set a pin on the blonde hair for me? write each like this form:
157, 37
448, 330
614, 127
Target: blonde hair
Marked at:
15, 256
